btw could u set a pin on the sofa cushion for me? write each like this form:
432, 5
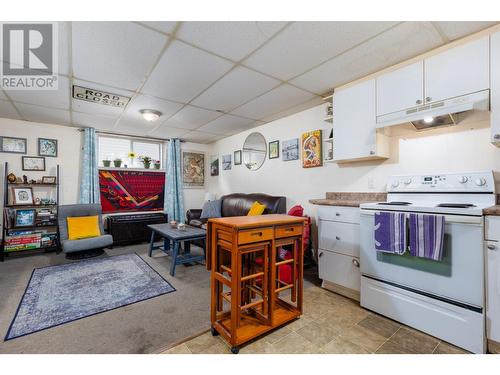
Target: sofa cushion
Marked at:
87, 243
83, 227
256, 209
211, 209
238, 204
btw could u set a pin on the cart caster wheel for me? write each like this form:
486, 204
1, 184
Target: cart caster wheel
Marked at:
214, 331
235, 350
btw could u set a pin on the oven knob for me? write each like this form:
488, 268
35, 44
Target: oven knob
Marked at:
463, 179
480, 181
408, 181
395, 184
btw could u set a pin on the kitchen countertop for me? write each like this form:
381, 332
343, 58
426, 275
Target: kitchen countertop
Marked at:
348, 199
492, 211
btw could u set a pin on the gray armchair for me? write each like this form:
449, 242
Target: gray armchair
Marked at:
76, 210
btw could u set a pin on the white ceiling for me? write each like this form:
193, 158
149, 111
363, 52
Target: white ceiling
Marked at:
214, 79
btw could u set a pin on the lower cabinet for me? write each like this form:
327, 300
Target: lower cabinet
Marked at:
492, 245
338, 255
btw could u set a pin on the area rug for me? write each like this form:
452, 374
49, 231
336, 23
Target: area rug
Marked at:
60, 294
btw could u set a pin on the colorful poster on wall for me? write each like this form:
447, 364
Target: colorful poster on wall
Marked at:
125, 191
312, 152
193, 169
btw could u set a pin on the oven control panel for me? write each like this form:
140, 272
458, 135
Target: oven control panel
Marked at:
444, 182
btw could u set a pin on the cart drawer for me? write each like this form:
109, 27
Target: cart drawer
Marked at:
255, 235
288, 231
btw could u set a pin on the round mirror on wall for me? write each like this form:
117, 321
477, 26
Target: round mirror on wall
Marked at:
254, 151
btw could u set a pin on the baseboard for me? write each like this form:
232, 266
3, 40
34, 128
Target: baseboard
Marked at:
342, 290
493, 347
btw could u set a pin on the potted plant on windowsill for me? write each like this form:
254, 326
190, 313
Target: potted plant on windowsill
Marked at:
117, 162
106, 163
132, 155
157, 164
146, 161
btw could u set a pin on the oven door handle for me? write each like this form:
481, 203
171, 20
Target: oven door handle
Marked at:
449, 219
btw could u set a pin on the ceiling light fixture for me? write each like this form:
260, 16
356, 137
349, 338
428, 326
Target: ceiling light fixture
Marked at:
428, 120
150, 115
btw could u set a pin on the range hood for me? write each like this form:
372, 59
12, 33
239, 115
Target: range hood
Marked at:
444, 112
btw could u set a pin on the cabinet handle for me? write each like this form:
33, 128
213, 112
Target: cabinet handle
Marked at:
496, 136
492, 247
418, 101
289, 230
337, 214
428, 99
355, 262
256, 234
337, 238
372, 152
320, 255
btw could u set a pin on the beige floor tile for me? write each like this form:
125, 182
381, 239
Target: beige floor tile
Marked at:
317, 334
380, 325
295, 344
277, 335
409, 341
205, 343
258, 346
445, 348
299, 323
342, 346
179, 349
363, 337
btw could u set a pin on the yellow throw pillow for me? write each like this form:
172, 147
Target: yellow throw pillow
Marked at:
83, 227
256, 209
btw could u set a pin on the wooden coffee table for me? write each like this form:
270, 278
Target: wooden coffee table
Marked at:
172, 238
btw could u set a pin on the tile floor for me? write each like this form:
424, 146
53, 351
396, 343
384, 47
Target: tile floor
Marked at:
331, 324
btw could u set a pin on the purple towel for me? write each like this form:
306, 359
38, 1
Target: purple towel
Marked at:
427, 236
390, 232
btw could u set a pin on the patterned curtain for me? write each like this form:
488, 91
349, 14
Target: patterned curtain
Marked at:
89, 187
174, 200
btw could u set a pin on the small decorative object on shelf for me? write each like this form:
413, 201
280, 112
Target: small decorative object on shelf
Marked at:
117, 162
157, 164
25, 179
22, 196
49, 179
146, 161
106, 163
11, 178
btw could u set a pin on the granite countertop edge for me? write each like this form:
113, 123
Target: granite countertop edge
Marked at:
492, 211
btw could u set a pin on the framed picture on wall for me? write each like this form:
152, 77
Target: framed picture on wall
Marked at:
193, 169
290, 149
312, 151
47, 147
13, 145
33, 163
274, 149
226, 162
214, 166
237, 157
25, 218
22, 195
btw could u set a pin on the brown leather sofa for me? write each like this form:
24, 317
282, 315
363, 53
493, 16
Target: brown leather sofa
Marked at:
239, 204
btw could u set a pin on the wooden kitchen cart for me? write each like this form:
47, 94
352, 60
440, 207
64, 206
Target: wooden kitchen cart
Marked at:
256, 267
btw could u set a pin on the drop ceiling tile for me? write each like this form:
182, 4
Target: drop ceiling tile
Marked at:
43, 114
295, 109
200, 137
190, 118
50, 98
64, 46
237, 87
7, 110
233, 40
134, 125
183, 72
114, 53
226, 125
95, 108
457, 29
402, 42
163, 26
303, 45
168, 132
148, 102
277, 100
93, 121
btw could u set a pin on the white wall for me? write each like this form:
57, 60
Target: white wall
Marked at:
460, 148
69, 154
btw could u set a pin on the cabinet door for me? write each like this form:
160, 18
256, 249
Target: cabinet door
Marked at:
458, 71
400, 89
495, 88
339, 269
354, 122
493, 291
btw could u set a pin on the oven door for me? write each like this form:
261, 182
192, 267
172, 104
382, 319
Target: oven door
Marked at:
458, 278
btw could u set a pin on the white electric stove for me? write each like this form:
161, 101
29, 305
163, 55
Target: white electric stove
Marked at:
446, 298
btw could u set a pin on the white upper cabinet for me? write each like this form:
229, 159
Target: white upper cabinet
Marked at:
458, 71
400, 89
354, 123
495, 89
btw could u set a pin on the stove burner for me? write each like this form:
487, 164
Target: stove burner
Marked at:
395, 203
456, 205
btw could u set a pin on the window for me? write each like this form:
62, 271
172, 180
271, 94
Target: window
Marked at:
111, 148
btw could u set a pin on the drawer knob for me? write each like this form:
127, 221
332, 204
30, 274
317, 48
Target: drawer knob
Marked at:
337, 238
355, 262
320, 254
337, 214
418, 101
257, 234
492, 247
428, 99
496, 136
